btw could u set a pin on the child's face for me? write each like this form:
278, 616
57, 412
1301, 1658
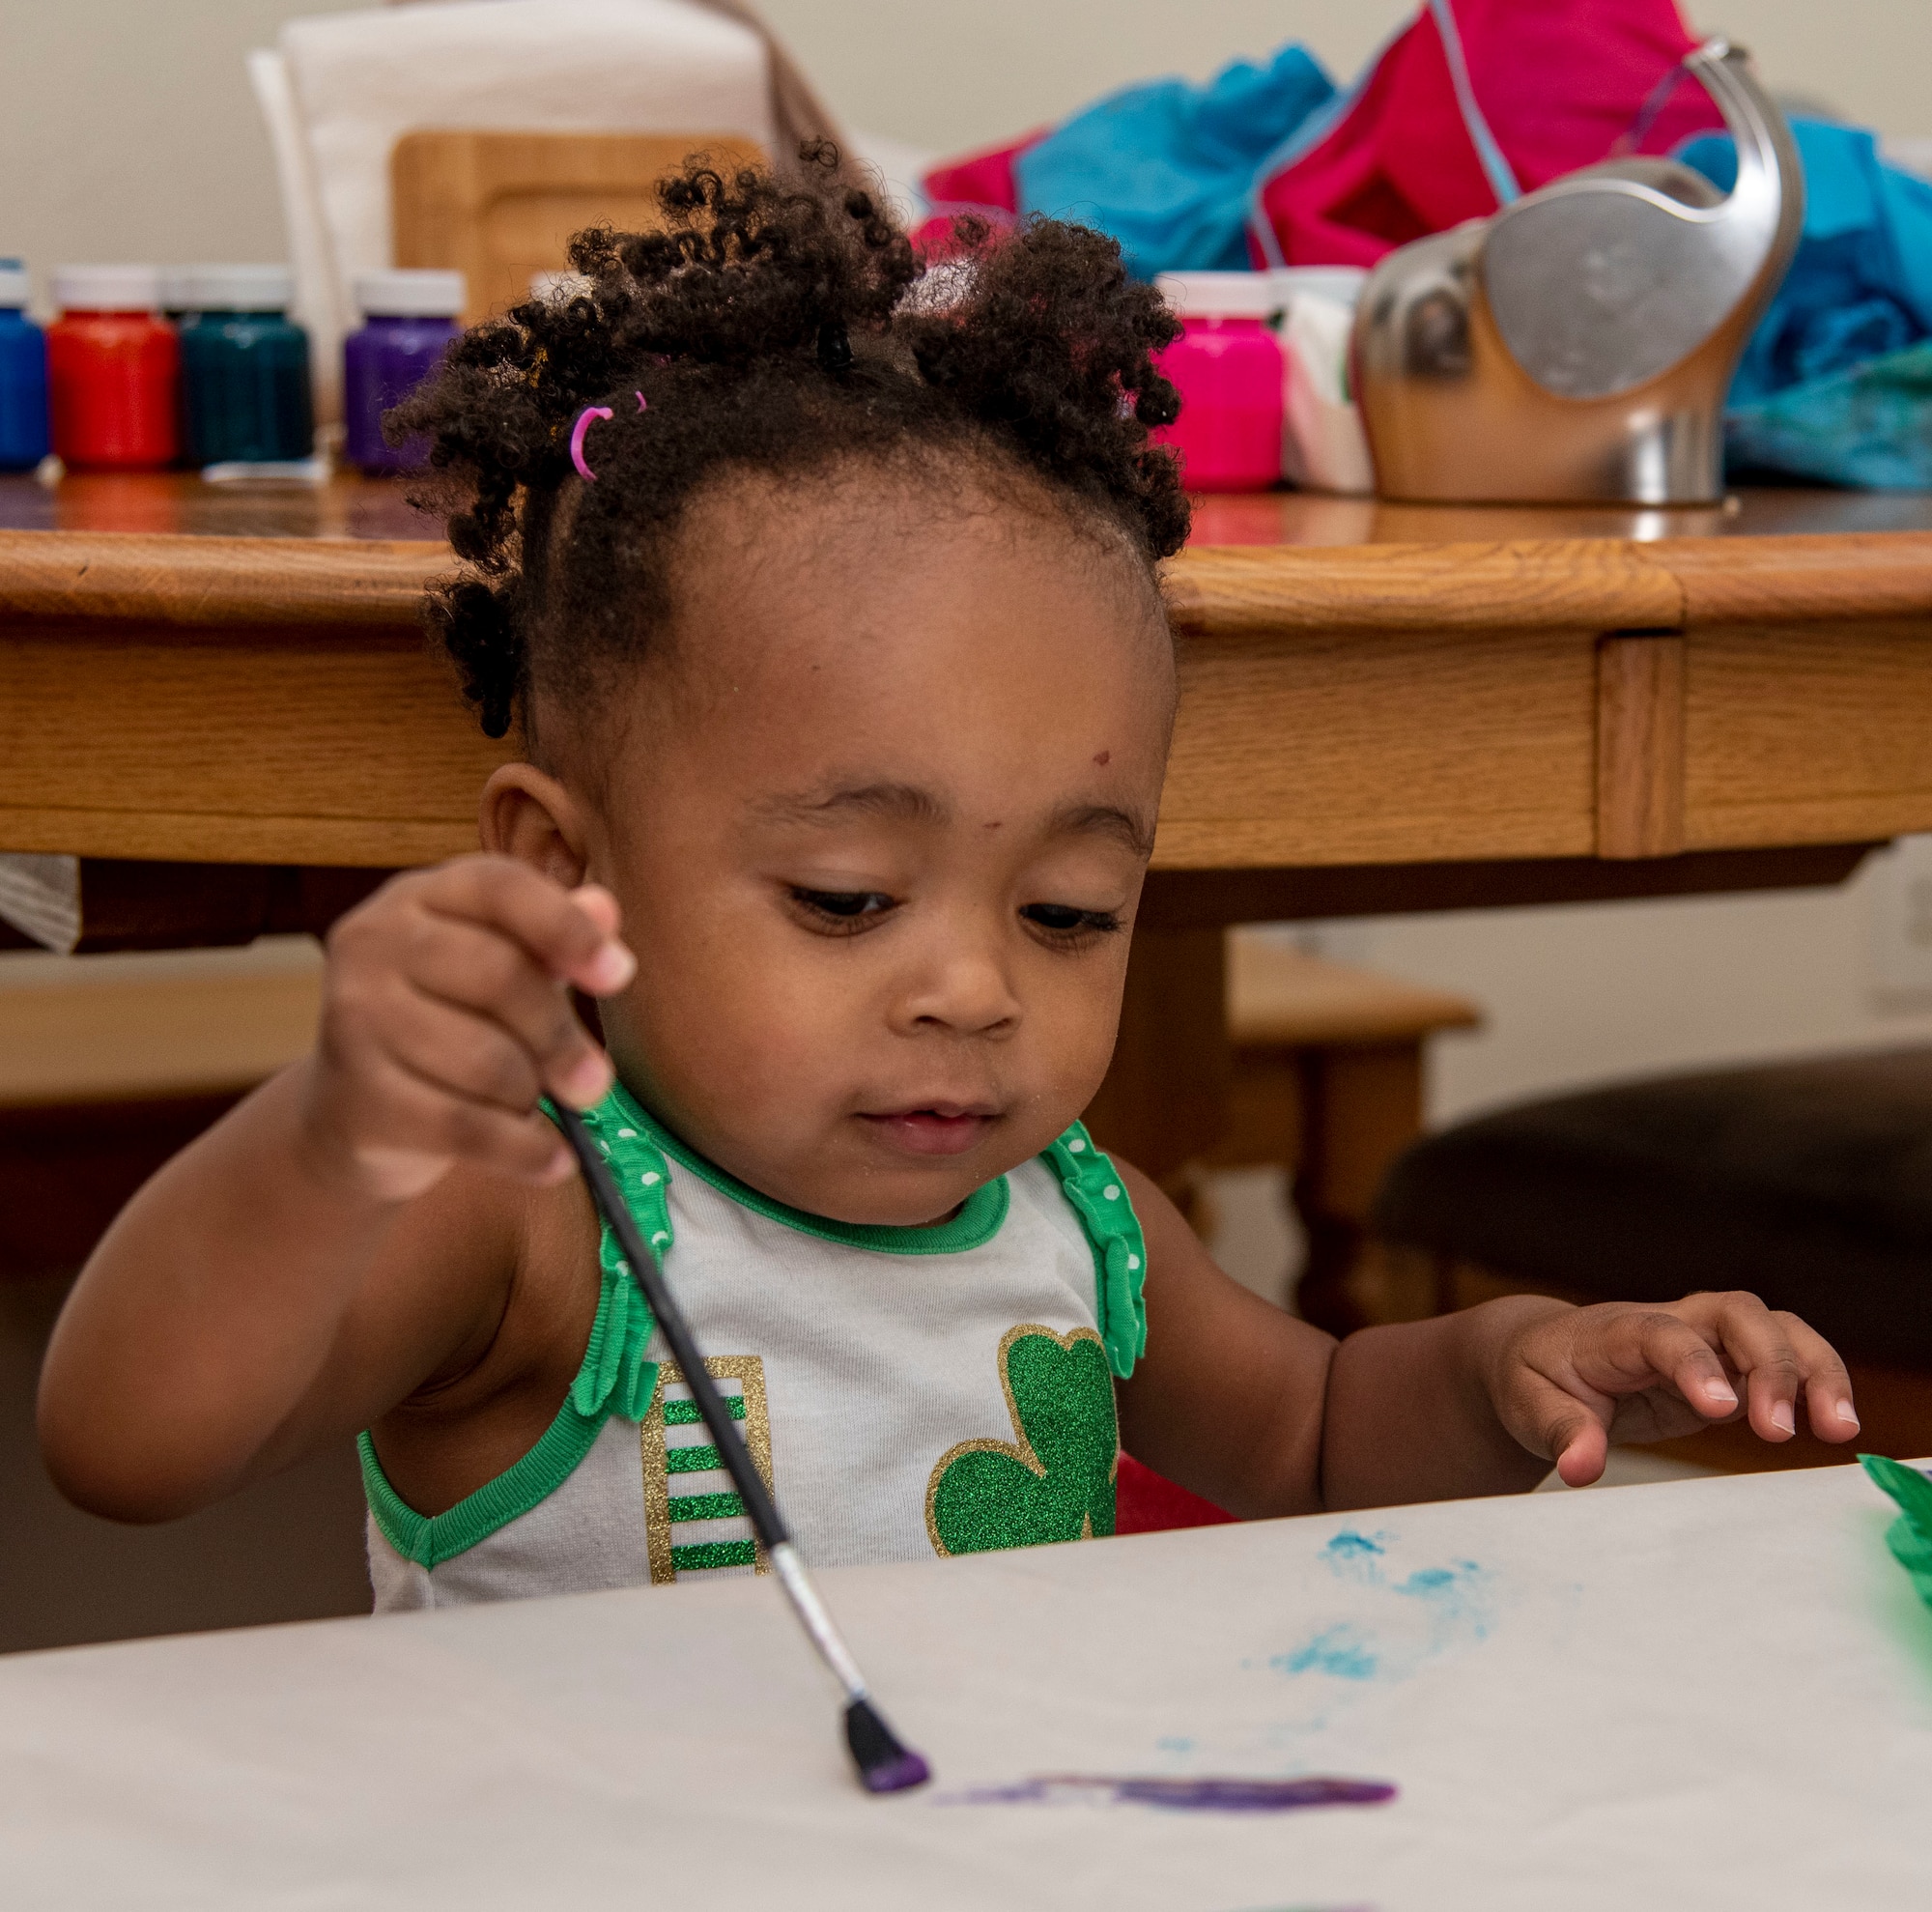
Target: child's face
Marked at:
879, 828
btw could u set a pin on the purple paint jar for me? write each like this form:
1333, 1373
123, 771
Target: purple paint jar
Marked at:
409, 320
1227, 365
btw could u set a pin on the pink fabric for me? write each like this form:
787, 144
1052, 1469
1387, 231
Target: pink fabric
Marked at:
981, 182
1558, 83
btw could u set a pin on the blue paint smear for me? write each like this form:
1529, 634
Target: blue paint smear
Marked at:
1340, 1651
1442, 1606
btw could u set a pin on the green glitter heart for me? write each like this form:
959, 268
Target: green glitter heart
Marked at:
1055, 1480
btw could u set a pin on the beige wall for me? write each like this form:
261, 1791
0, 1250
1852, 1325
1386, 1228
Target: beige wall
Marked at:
126, 129
1005, 64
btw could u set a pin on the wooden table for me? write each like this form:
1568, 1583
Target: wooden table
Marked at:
1384, 708
1713, 1693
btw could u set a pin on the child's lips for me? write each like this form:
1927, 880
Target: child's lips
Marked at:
945, 1128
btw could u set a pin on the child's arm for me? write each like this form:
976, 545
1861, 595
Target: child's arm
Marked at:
1264, 1414
353, 1229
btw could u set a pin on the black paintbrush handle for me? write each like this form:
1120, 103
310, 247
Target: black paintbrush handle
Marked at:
717, 1417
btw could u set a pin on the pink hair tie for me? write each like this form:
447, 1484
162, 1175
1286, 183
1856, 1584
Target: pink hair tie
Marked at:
577, 431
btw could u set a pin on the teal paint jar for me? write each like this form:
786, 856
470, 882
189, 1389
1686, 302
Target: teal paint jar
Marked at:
244, 368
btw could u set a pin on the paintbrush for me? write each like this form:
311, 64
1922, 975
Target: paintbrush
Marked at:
884, 1764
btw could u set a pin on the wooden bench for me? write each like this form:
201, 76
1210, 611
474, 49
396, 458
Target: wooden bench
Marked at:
1328, 1081
105, 1071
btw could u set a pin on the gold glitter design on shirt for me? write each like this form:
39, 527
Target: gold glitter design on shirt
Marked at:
1055, 1479
749, 1372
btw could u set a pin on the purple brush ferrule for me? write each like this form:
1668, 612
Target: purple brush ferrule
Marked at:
897, 1775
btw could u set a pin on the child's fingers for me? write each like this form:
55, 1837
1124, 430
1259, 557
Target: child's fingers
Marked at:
459, 1053
1623, 1350
1549, 1421
600, 905
575, 942
417, 1116
1778, 1354
478, 969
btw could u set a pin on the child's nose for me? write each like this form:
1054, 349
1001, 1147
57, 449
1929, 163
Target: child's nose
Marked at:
962, 989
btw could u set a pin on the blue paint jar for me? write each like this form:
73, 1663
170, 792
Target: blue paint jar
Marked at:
244, 367
410, 319
24, 375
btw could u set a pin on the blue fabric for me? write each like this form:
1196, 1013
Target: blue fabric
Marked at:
1870, 426
1166, 167
1834, 383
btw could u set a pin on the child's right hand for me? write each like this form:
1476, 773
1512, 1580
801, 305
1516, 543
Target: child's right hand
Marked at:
444, 1017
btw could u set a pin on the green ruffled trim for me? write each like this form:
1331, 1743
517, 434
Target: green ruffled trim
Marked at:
978, 1221
1094, 1190
614, 1377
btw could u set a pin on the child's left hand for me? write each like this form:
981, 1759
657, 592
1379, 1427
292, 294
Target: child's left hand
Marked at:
1570, 1382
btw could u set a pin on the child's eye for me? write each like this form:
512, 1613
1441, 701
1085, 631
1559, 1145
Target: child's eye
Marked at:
1062, 920
843, 911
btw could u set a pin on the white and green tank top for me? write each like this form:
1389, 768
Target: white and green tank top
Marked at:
906, 1392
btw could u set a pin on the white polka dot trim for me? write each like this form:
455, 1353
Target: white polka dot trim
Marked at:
627, 1134
1133, 1262
1112, 1192
1074, 1147
659, 1236
650, 1178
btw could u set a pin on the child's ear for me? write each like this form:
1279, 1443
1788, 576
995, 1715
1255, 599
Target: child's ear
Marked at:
531, 816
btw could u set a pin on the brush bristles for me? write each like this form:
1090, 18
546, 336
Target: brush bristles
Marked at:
884, 1764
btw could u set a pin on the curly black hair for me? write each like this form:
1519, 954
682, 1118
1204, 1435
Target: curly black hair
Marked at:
777, 329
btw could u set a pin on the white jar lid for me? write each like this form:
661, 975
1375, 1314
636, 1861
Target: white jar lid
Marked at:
238, 288
107, 288
1220, 294
1341, 283
14, 291
410, 294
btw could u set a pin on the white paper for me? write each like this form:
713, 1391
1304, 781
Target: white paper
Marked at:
344, 87
1716, 1693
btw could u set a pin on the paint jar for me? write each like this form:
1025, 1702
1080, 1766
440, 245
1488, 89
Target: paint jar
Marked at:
1226, 365
244, 367
112, 365
24, 375
176, 294
410, 317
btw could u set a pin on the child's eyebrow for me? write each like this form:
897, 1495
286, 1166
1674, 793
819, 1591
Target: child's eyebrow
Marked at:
906, 802
910, 804
1103, 819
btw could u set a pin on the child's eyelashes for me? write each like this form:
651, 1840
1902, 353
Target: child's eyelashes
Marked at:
851, 912
1064, 924
843, 912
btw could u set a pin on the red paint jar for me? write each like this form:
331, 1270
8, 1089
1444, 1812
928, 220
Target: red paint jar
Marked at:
113, 370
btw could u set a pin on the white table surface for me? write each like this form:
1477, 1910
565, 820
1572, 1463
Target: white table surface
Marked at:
1715, 1693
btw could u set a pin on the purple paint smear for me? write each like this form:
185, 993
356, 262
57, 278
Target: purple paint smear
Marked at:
1178, 1795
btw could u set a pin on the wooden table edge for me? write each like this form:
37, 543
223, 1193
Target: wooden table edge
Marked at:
1584, 584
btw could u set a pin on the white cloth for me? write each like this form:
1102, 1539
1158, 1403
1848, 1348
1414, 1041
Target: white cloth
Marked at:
341, 89
1716, 1696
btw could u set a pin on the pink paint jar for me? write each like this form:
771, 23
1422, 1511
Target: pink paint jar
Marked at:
1228, 367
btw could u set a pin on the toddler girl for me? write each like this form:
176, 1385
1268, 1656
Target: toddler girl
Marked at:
822, 589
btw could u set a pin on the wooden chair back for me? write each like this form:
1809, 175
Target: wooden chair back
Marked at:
500, 207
